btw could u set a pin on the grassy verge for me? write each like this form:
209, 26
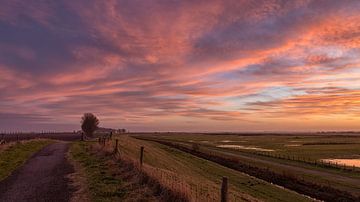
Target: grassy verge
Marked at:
101, 183
16, 154
108, 178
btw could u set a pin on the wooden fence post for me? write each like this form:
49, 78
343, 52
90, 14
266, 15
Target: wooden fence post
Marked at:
17, 139
224, 189
116, 146
2, 140
141, 155
99, 140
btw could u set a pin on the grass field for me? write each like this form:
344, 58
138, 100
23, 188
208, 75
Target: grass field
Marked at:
307, 147
205, 175
314, 147
14, 155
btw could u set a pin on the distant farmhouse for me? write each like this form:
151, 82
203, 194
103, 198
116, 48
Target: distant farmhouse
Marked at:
101, 130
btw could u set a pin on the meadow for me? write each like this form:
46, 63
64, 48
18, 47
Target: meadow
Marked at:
314, 147
300, 158
196, 178
190, 167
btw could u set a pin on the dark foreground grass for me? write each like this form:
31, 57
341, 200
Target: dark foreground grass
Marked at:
16, 154
101, 182
114, 179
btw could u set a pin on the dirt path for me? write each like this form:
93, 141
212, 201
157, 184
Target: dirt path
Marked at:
41, 178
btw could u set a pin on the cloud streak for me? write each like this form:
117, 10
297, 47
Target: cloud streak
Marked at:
180, 65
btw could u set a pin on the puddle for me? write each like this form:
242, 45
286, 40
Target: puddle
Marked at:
347, 162
243, 147
228, 141
292, 145
295, 141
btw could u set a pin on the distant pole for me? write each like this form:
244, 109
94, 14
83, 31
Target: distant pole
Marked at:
224, 189
99, 140
141, 155
116, 146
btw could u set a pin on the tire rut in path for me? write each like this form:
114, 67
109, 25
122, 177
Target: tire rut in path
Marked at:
41, 178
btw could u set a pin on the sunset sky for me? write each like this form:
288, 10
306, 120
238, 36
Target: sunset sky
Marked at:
180, 65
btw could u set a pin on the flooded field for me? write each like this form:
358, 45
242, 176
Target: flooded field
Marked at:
347, 162
292, 145
243, 147
229, 141
304, 146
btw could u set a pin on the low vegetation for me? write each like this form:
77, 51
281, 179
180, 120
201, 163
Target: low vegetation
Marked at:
289, 154
302, 146
101, 185
14, 155
323, 192
114, 179
196, 178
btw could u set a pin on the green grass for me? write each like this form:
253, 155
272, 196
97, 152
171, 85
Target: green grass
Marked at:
203, 171
102, 184
312, 147
15, 155
315, 150
243, 183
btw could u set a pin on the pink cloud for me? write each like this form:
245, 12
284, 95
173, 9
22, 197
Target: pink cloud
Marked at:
144, 62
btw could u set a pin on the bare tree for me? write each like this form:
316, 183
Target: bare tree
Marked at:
89, 124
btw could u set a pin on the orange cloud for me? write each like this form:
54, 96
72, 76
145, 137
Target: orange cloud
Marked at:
167, 65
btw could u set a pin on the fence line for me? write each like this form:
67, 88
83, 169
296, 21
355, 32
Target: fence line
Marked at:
314, 162
192, 189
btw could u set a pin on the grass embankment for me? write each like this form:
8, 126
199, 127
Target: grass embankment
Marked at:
111, 179
101, 184
15, 154
203, 176
324, 192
